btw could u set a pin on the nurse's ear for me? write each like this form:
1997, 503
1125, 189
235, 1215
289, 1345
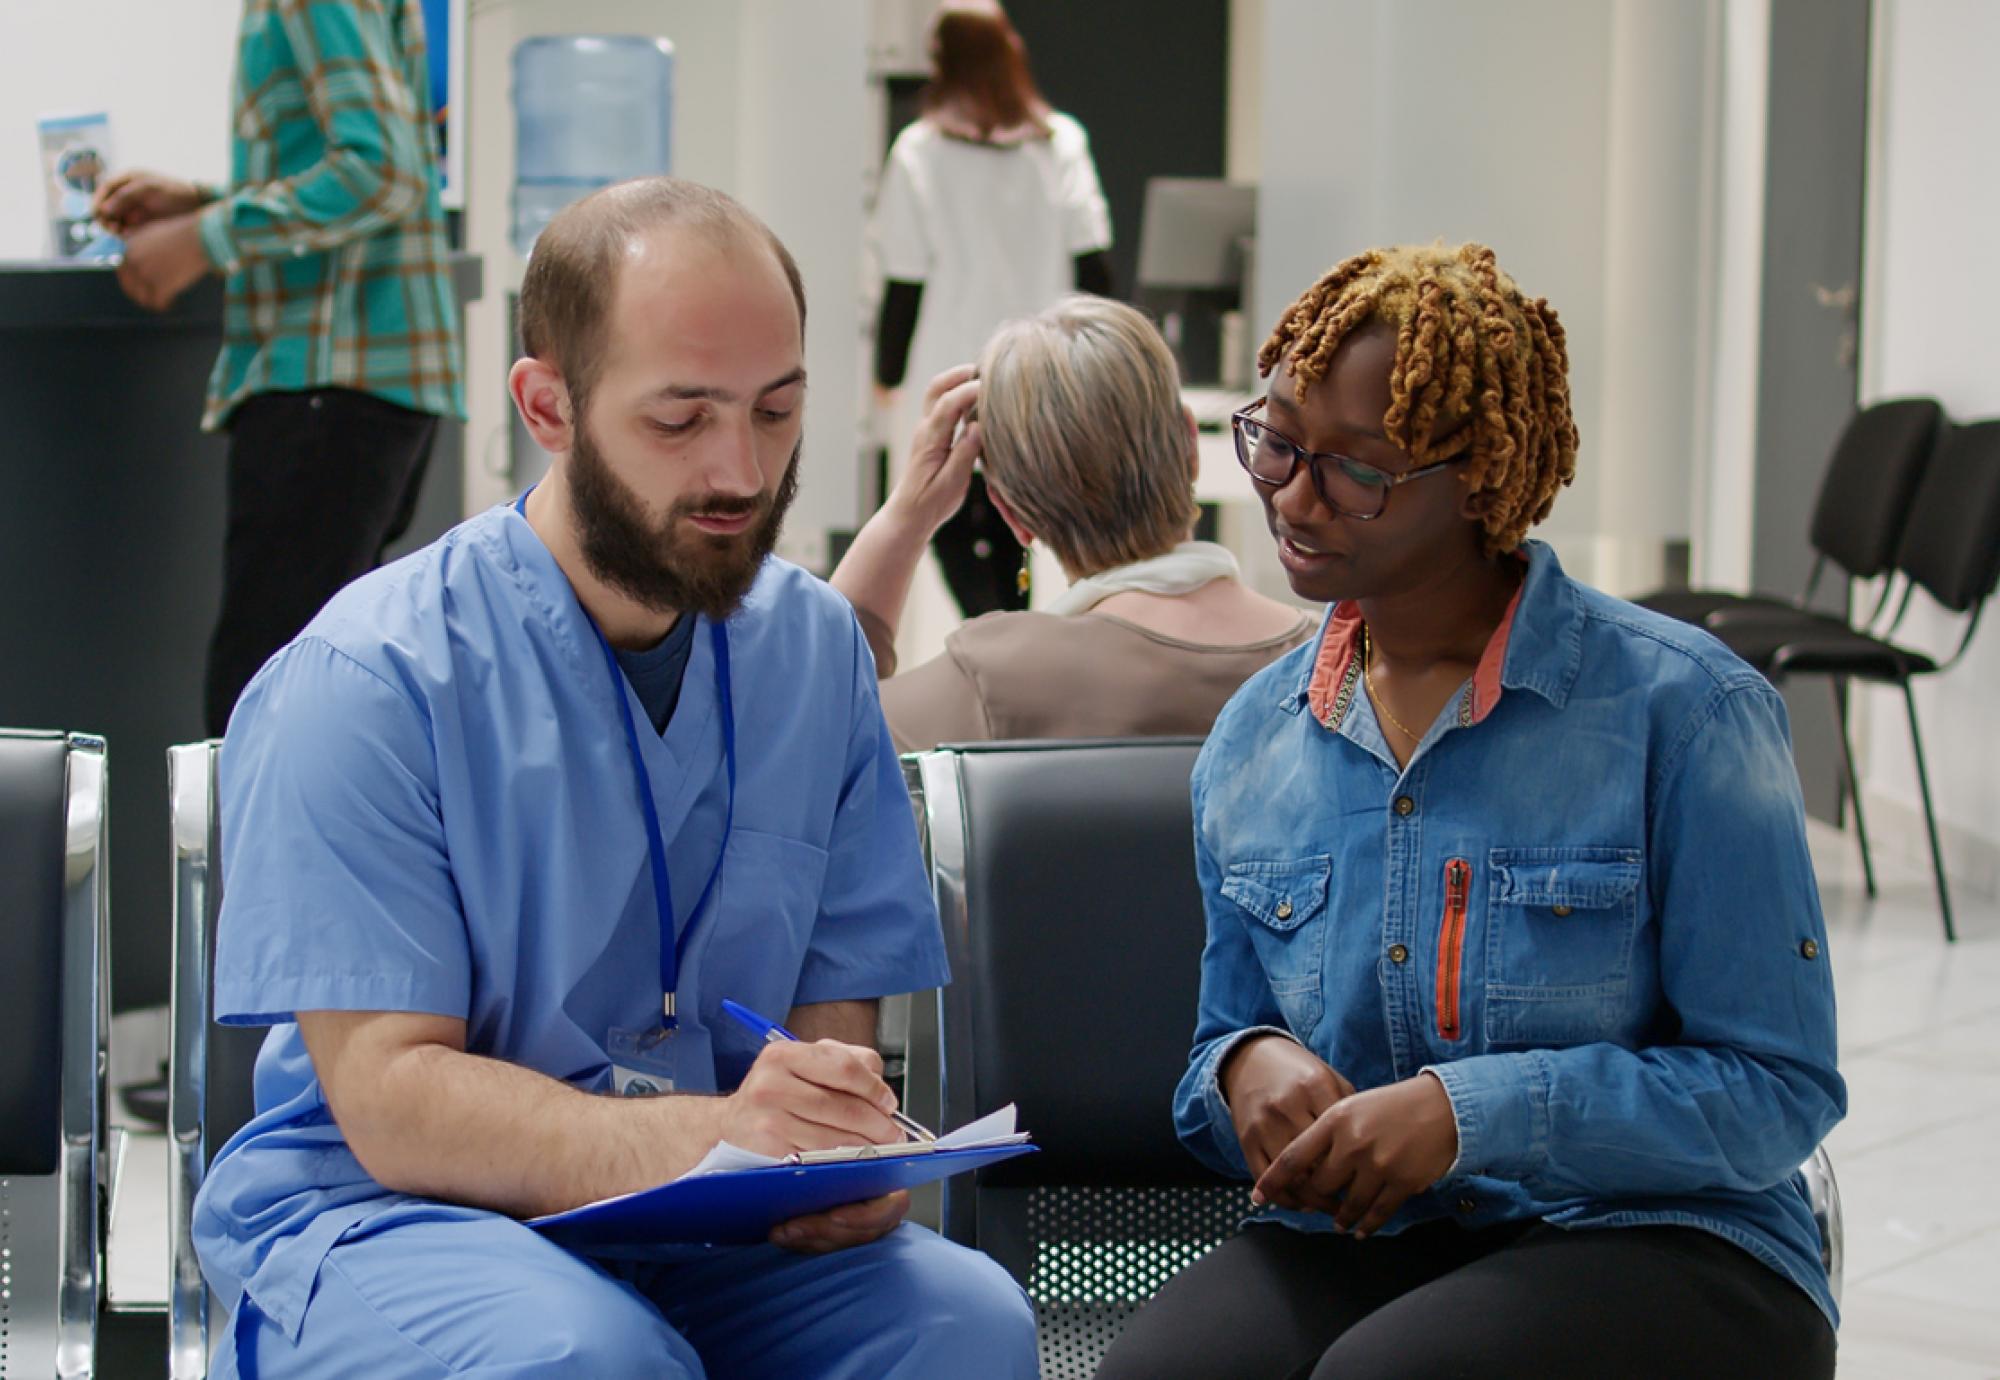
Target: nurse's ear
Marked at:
542, 399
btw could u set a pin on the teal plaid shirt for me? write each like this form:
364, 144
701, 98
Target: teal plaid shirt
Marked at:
331, 231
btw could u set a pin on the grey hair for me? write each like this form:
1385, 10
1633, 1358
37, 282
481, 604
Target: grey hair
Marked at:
1084, 433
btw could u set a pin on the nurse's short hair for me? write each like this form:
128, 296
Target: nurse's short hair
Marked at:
573, 272
1083, 433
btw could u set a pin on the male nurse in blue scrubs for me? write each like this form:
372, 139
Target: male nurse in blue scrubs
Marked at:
510, 819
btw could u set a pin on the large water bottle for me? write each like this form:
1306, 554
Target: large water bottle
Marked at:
589, 110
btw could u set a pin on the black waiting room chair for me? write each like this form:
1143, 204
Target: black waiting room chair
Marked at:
1858, 517
210, 1066
54, 989
1064, 875
1950, 548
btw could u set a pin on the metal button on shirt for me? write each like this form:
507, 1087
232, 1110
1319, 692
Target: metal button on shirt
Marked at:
1405, 806
1809, 949
1284, 910
1561, 912
1399, 953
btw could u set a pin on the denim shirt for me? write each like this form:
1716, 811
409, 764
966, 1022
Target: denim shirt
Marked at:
1586, 906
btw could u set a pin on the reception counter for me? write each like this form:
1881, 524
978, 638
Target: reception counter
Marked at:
111, 528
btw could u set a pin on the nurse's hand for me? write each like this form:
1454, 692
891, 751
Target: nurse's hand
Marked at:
816, 1095
941, 454
854, 1224
1276, 1088
1365, 1156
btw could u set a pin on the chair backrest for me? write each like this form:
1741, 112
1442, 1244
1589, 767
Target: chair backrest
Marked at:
1865, 496
53, 981
1951, 543
210, 1094
1064, 874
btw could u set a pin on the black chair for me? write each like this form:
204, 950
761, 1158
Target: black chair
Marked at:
1858, 517
1064, 875
209, 1093
54, 989
1951, 549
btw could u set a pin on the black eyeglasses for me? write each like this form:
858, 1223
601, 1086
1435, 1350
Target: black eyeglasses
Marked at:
1353, 488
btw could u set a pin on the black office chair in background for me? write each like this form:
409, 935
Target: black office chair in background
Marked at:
1858, 517
1064, 875
55, 993
1950, 548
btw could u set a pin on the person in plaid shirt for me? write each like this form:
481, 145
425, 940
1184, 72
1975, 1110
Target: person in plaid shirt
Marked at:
340, 333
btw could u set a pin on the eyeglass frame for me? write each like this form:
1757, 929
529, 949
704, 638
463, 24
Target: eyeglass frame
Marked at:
1392, 479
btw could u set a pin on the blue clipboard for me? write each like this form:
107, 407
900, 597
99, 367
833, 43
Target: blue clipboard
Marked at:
740, 1207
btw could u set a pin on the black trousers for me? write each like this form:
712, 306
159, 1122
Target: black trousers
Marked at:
320, 482
1438, 1301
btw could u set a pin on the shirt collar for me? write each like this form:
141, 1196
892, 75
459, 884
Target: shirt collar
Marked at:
1537, 647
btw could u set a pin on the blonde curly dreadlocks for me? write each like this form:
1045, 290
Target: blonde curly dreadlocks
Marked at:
1468, 345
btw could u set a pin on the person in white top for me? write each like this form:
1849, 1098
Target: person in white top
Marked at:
989, 210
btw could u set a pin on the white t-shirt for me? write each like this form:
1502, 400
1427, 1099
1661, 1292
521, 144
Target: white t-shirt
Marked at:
991, 231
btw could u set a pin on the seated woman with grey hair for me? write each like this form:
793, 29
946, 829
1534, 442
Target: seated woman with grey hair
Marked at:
1076, 418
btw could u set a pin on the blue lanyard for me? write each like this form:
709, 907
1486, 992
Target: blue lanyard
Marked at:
672, 950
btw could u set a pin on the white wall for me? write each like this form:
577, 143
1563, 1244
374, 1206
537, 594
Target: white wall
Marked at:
1725, 487
1412, 120
161, 70
1928, 327
769, 105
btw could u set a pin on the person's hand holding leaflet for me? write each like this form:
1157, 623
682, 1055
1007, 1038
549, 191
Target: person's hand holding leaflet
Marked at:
127, 200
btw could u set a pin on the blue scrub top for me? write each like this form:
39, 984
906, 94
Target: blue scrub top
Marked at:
429, 805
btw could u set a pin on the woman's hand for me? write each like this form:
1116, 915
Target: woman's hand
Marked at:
941, 454
1364, 1157
1276, 1088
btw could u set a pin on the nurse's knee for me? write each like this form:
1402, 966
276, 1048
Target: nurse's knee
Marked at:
969, 1308
601, 1329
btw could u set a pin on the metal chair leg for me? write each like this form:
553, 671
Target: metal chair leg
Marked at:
1930, 815
1851, 783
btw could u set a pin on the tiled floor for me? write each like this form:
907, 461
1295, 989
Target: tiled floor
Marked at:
1918, 1157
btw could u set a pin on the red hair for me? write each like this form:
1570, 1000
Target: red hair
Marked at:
979, 67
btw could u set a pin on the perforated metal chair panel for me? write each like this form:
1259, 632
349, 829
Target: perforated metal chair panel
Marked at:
1098, 1254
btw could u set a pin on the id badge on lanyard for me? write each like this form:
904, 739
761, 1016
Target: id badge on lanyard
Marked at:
647, 1060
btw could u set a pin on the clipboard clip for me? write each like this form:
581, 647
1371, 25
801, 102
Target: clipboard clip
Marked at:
852, 1153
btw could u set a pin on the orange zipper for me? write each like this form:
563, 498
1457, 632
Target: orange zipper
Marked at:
1451, 944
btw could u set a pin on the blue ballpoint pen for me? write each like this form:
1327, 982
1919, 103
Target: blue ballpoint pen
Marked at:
774, 1033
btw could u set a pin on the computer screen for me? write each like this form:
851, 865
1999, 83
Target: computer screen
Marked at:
1193, 232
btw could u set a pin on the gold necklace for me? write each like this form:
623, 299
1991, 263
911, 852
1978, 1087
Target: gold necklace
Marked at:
1367, 656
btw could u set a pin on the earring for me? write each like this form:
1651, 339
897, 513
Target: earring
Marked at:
1024, 578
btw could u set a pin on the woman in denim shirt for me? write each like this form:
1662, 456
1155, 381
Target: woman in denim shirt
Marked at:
1515, 1003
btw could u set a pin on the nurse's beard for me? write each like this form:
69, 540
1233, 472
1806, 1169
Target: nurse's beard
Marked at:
674, 566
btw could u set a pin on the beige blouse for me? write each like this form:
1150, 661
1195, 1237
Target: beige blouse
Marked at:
1041, 675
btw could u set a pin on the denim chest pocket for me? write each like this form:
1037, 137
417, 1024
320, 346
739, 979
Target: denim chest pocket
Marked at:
1559, 933
1284, 903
